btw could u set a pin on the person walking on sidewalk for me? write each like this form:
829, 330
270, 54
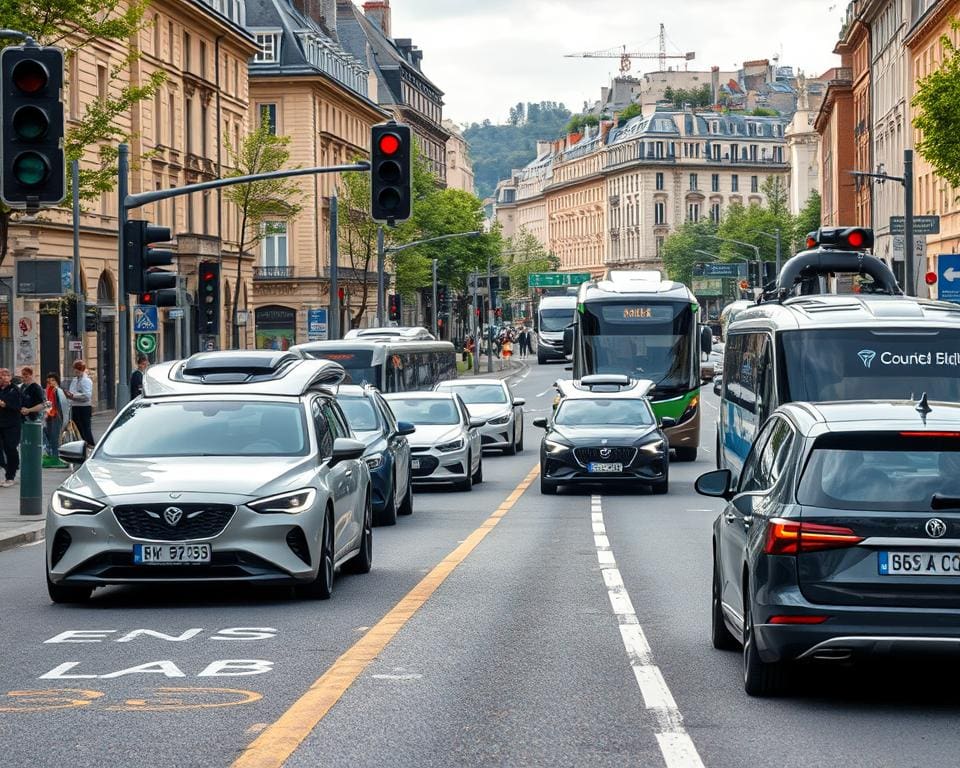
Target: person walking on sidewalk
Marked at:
80, 395
34, 399
10, 421
53, 423
136, 378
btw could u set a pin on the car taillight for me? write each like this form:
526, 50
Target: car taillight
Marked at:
788, 537
808, 619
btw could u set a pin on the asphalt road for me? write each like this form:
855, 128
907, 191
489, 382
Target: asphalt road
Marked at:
543, 631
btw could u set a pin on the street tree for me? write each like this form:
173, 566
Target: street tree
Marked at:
680, 248
745, 223
808, 220
357, 235
524, 255
73, 24
937, 101
265, 207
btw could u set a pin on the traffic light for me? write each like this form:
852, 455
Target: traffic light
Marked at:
390, 176
33, 168
141, 262
394, 308
841, 238
209, 298
71, 318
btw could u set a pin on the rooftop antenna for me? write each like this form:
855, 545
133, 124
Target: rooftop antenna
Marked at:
923, 407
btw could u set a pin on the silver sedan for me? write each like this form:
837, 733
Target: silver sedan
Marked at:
493, 401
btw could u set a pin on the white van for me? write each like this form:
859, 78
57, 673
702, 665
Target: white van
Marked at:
553, 315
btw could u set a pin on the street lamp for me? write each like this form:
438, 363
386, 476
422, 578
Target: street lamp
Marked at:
776, 238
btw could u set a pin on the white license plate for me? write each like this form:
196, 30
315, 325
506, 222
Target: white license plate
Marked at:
144, 554
595, 466
414, 463
919, 563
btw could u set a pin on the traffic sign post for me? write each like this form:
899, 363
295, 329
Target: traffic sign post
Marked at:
721, 269
145, 319
556, 279
948, 277
922, 225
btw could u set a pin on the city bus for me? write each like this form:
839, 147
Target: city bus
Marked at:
638, 324
876, 344
390, 365
554, 314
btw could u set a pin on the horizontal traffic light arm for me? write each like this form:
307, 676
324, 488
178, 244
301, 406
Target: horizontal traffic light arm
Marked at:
145, 198
415, 243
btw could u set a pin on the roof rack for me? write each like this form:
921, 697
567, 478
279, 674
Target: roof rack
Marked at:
615, 382
413, 333
234, 367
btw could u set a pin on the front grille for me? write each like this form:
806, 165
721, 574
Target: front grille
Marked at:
612, 455
61, 542
117, 566
419, 448
297, 542
196, 521
427, 465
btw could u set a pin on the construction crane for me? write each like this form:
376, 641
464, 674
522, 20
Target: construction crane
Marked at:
625, 56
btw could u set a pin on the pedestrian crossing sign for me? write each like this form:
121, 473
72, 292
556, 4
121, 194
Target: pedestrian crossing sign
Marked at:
145, 319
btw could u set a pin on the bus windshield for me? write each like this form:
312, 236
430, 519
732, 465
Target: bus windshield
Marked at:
861, 364
358, 363
555, 320
642, 339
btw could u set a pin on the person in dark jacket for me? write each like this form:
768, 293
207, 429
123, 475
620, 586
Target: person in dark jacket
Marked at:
136, 378
10, 421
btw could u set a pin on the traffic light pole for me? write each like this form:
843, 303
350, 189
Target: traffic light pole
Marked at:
123, 320
81, 329
436, 309
381, 266
333, 322
489, 318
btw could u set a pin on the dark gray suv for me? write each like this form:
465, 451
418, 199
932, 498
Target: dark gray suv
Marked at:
840, 538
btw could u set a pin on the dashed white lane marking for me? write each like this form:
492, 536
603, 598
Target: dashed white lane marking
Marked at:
546, 392
676, 746
710, 404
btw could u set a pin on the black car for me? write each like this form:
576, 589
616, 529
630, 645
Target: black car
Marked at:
841, 537
603, 430
387, 451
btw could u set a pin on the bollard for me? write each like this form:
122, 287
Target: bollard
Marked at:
31, 456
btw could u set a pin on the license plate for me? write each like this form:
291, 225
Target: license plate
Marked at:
144, 554
414, 463
919, 563
595, 466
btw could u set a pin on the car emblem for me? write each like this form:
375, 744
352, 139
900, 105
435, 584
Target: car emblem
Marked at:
604, 453
172, 515
866, 357
175, 495
603, 442
935, 528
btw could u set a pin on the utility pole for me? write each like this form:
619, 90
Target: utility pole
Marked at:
381, 266
334, 287
77, 288
779, 257
909, 251
489, 318
475, 320
434, 305
123, 319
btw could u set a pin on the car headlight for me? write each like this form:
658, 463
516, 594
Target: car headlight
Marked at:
291, 503
374, 460
64, 503
453, 445
554, 446
500, 419
655, 447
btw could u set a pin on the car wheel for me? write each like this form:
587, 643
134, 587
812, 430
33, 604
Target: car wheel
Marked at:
686, 454
322, 586
478, 475
720, 635
362, 562
467, 484
760, 678
388, 515
68, 593
406, 506
511, 450
520, 442
548, 487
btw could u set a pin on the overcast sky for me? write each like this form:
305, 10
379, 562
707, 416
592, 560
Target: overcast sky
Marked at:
487, 55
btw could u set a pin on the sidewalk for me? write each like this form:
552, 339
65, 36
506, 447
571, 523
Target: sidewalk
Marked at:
17, 529
509, 368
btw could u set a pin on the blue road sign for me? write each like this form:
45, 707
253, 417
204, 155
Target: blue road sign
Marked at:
948, 277
145, 319
317, 324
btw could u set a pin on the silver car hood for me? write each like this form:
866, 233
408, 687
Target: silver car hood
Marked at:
244, 476
489, 410
428, 435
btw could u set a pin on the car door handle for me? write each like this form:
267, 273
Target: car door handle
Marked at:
730, 517
348, 473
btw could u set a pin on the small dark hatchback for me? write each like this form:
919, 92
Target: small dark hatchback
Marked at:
840, 538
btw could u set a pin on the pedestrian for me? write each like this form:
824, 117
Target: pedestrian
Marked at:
524, 343
506, 350
53, 423
136, 378
80, 395
32, 397
10, 422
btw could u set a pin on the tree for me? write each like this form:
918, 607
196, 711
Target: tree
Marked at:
76, 23
633, 110
357, 233
938, 102
524, 254
744, 223
264, 206
807, 221
679, 249
579, 122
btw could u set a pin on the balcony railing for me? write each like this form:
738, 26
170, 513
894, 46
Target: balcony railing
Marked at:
272, 273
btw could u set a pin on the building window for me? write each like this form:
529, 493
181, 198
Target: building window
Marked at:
103, 83
734, 183
74, 85
268, 113
274, 244
659, 213
187, 45
188, 123
693, 212
734, 153
693, 181
754, 184
659, 247
715, 182
715, 150
659, 183
269, 43
715, 213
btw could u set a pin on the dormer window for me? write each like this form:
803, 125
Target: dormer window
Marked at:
269, 44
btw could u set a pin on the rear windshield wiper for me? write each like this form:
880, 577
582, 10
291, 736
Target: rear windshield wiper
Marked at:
942, 501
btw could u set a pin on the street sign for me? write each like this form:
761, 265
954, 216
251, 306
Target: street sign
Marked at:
175, 313
919, 248
145, 319
556, 279
948, 277
76, 346
716, 269
707, 286
317, 324
147, 343
922, 225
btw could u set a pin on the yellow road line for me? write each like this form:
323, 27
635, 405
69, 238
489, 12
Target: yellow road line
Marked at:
272, 747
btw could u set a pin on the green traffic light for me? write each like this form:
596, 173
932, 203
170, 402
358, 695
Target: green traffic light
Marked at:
30, 169
30, 123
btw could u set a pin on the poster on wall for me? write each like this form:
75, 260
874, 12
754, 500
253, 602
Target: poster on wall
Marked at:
276, 327
26, 328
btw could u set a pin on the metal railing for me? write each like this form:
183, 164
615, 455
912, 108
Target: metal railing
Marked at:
272, 273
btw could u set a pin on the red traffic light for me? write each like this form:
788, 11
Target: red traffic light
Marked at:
855, 239
389, 143
207, 276
744, 285
930, 278
30, 76
340, 293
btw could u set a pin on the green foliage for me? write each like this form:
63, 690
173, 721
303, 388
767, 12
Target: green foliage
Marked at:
497, 149
764, 112
807, 221
523, 255
632, 111
937, 101
695, 97
679, 249
579, 122
357, 232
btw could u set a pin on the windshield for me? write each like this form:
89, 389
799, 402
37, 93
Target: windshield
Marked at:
883, 472
641, 340
477, 394
360, 414
860, 364
207, 428
358, 363
425, 411
604, 412
555, 320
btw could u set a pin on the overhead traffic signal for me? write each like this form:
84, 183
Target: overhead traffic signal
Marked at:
209, 298
394, 308
390, 174
33, 168
141, 262
841, 238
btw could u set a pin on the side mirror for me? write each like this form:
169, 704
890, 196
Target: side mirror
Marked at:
540, 421
717, 483
346, 449
568, 340
405, 428
477, 423
74, 453
667, 422
706, 339
519, 401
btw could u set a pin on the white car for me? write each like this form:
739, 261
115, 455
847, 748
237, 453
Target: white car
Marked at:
446, 445
494, 402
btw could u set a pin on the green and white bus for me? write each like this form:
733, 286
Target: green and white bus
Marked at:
636, 323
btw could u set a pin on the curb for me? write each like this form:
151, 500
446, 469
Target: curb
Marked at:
20, 536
